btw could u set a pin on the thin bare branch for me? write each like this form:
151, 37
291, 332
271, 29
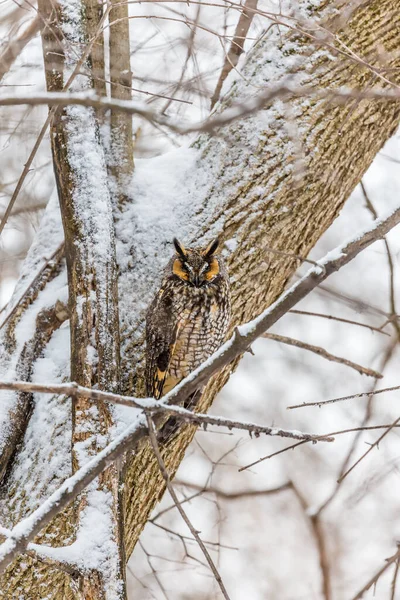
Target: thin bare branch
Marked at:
262, 458
343, 398
155, 407
195, 534
235, 495
332, 433
392, 295
290, 255
375, 444
374, 579
323, 353
394, 581
340, 319
15, 47
320, 541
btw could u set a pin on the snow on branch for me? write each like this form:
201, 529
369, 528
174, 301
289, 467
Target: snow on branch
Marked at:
153, 406
27, 528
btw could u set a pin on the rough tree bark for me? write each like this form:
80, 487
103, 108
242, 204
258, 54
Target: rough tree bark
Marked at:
250, 186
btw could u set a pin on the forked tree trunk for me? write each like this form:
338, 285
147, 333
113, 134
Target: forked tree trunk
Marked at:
250, 186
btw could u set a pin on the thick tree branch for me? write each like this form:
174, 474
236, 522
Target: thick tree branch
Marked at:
87, 215
120, 162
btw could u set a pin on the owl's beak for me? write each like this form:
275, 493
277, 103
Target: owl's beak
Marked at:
196, 280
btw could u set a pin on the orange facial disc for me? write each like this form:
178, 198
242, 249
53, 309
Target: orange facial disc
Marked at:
178, 270
213, 270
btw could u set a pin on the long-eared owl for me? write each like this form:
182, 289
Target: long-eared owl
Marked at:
188, 317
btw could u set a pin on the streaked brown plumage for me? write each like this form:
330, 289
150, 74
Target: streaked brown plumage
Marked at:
188, 318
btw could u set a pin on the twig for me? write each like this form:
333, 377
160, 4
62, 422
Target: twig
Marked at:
15, 47
25, 171
346, 461
320, 541
340, 319
376, 443
394, 581
188, 538
291, 255
323, 353
374, 579
355, 303
262, 458
195, 534
153, 570
333, 433
392, 300
236, 495
343, 398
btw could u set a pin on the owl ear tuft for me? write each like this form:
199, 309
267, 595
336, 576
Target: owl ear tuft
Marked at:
180, 248
211, 248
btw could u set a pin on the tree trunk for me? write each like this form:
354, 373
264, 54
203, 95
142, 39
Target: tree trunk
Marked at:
87, 215
252, 186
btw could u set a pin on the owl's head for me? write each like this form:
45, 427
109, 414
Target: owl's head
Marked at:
198, 267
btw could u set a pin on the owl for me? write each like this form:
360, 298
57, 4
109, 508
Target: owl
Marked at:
188, 317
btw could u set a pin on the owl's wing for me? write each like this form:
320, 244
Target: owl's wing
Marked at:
162, 338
